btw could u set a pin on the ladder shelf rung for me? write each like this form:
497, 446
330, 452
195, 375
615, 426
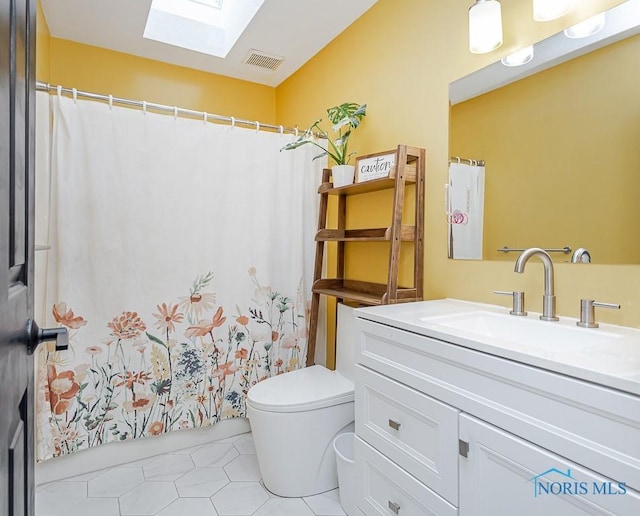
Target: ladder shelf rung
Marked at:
407, 234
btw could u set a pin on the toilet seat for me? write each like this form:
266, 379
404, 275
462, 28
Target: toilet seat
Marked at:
305, 389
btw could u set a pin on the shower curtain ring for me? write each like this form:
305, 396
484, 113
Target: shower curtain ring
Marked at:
281, 130
204, 117
175, 112
59, 90
257, 126
75, 95
233, 122
144, 107
296, 131
110, 101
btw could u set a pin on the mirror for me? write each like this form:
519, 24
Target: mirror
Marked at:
560, 137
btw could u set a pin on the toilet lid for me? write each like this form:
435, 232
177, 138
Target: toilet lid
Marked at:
304, 389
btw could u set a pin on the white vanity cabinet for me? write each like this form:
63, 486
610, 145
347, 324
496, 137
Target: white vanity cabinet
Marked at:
445, 429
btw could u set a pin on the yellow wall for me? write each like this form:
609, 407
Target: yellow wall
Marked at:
563, 159
400, 58
124, 75
42, 47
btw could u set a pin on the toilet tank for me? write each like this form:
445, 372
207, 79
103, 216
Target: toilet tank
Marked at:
346, 341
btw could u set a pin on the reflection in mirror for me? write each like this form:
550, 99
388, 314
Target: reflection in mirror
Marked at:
561, 145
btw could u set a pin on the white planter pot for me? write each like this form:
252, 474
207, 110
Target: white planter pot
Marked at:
343, 175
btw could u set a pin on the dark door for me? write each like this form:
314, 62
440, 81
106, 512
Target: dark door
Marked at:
17, 101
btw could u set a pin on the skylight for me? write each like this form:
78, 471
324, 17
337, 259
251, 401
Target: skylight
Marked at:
208, 26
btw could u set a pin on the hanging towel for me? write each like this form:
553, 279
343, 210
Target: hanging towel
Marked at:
465, 211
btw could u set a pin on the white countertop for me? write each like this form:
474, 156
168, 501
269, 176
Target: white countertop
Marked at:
612, 362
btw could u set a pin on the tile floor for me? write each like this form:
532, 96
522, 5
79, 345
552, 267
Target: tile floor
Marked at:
217, 479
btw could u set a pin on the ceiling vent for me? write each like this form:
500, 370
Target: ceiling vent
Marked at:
263, 60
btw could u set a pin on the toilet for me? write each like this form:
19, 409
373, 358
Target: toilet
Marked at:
295, 417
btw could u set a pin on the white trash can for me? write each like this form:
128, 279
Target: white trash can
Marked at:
343, 445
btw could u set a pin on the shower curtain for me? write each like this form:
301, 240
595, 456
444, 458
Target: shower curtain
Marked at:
181, 261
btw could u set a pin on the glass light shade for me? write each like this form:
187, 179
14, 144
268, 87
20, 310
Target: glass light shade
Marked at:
485, 26
518, 58
545, 10
587, 27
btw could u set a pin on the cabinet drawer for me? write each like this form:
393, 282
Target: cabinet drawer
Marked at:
417, 432
385, 489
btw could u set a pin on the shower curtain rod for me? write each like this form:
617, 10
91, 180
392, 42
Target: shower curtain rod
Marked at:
73, 92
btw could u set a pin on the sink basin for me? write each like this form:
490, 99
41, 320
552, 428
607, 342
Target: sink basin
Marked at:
526, 331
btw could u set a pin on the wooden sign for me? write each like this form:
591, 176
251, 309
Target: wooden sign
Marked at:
375, 166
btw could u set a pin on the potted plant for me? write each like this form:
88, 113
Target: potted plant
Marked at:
344, 118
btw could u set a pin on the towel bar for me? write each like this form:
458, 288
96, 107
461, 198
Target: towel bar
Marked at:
565, 250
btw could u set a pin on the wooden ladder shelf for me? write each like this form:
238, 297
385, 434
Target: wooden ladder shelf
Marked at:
410, 168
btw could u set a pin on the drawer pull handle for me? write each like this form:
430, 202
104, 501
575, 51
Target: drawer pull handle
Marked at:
395, 508
395, 425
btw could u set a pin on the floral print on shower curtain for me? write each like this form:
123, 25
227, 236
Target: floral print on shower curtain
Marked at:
187, 362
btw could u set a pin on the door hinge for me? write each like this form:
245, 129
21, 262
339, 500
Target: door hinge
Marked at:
463, 448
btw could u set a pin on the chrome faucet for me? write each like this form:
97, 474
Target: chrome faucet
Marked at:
581, 255
549, 298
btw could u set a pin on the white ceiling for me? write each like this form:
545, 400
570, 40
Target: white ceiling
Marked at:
293, 29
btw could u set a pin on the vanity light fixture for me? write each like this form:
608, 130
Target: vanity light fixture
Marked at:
545, 10
522, 56
586, 28
485, 26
